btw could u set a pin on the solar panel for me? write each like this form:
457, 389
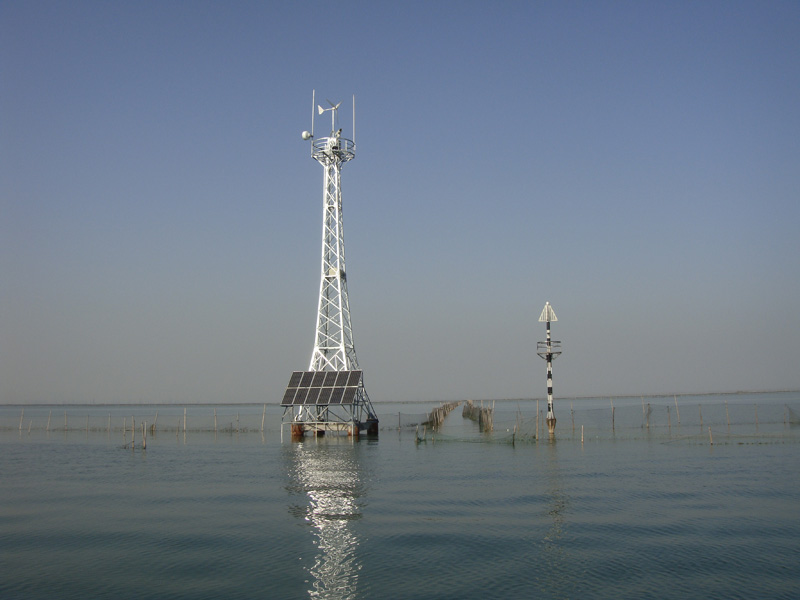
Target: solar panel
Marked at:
300, 397
337, 394
325, 395
295, 379
322, 387
313, 394
349, 395
288, 396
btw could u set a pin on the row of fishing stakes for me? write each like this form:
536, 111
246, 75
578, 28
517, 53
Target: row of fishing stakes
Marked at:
549, 350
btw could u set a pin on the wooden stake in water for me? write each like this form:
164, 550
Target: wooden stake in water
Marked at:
581, 434
710, 439
669, 420
263, 416
21, 417
700, 408
65, 420
677, 410
184, 420
756, 415
727, 417
215, 420
49, 414
612, 413
144, 435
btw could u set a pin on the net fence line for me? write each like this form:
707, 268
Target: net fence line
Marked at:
684, 421
170, 421
699, 422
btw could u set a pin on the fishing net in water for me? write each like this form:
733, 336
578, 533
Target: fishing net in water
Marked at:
716, 423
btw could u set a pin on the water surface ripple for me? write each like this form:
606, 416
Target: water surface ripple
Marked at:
201, 516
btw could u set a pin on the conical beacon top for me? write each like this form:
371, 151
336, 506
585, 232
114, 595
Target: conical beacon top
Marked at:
548, 314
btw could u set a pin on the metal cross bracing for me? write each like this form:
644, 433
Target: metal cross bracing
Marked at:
333, 345
334, 349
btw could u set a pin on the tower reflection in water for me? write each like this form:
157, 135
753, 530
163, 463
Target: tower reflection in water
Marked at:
326, 474
557, 578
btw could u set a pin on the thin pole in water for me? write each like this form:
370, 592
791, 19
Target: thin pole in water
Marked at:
710, 439
612, 413
21, 417
263, 416
215, 420
677, 410
49, 414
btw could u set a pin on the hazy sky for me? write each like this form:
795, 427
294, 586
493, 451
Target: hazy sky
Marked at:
636, 164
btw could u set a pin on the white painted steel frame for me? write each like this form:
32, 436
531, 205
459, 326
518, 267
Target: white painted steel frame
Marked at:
334, 349
333, 344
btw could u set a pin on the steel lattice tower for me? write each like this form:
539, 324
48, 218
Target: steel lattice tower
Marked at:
340, 403
333, 345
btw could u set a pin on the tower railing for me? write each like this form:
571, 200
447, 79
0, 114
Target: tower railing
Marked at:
554, 348
343, 148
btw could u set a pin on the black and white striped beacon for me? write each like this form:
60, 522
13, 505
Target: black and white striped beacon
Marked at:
549, 350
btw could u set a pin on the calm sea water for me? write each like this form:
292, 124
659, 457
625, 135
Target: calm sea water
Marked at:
643, 512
